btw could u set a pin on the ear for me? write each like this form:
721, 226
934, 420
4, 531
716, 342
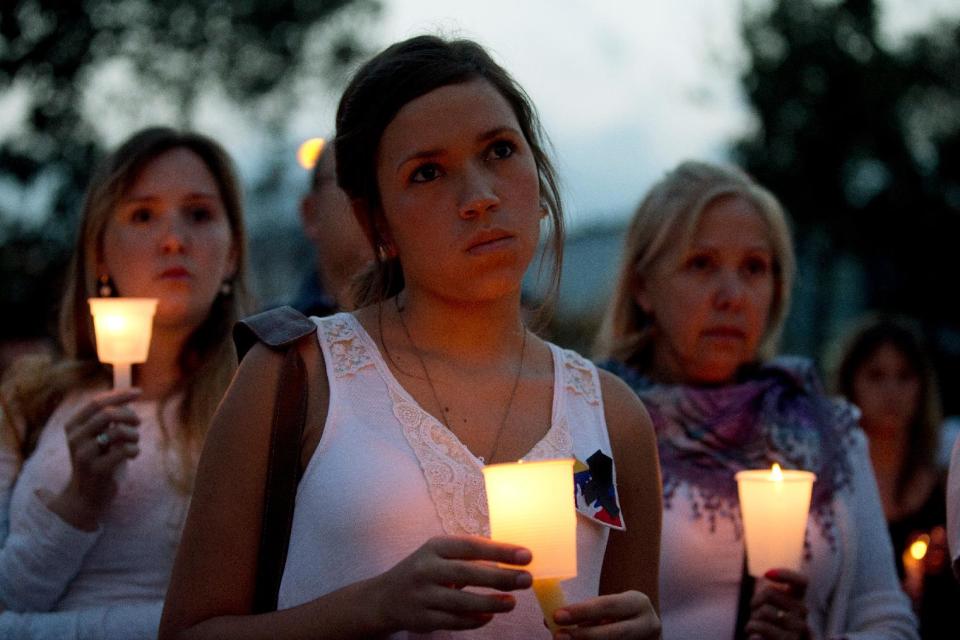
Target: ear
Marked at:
100, 264
374, 227
233, 260
641, 295
308, 216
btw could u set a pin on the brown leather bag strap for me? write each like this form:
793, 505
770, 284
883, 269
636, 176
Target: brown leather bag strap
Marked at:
276, 328
280, 329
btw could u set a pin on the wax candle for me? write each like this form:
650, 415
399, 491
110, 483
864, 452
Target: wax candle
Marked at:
774, 505
123, 327
531, 504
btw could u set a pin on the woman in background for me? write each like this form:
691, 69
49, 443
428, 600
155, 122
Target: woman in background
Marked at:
882, 366
103, 477
692, 326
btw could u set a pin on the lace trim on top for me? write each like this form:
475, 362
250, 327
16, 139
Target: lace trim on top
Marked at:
347, 349
579, 377
451, 471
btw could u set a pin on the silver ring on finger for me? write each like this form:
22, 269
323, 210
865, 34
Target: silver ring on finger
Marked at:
103, 440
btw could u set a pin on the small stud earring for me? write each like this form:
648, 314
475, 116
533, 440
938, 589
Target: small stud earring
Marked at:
106, 286
226, 288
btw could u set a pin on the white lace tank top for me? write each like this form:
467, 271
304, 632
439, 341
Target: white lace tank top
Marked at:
386, 476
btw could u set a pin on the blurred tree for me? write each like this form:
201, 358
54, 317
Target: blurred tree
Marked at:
69, 66
861, 141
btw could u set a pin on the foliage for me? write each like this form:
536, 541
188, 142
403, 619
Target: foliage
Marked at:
863, 139
163, 56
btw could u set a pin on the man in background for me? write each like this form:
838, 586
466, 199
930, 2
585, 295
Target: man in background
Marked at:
342, 250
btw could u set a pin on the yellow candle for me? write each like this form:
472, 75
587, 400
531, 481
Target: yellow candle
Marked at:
774, 505
123, 327
531, 504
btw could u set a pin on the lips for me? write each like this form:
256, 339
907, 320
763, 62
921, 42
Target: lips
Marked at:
725, 332
489, 240
174, 273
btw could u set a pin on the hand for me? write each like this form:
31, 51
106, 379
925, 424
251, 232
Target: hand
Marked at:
778, 610
101, 435
623, 615
424, 591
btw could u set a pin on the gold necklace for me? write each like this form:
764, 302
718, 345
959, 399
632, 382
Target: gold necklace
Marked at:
436, 397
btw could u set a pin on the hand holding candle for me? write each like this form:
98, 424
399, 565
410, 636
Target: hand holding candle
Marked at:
531, 504
123, 327
774, 505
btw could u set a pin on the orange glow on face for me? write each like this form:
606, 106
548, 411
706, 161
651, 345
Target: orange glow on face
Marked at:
309, 152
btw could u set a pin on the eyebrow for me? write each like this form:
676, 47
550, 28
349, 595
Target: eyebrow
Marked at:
483, 137
196, 195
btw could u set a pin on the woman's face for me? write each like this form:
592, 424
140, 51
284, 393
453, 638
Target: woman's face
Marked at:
169, 238
887, 390
710, 301
460, 193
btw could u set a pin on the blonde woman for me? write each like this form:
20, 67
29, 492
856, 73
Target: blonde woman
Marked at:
103, 477
703, 290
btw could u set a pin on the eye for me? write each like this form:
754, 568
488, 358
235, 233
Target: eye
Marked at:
199, 213
699, 262
906, 375
756, 266
502, 149
141, 215
425, 173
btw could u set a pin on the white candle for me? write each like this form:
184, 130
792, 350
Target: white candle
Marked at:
774, 505
532, 504
123, 327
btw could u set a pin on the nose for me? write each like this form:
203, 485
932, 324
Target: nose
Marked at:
730, 292
477, 194
174, 235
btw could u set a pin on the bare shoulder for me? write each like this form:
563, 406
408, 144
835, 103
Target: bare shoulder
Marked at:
240, 430
253, 393
632, 557
626, 416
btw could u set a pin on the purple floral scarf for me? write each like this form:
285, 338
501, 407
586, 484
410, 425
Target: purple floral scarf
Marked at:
776, 412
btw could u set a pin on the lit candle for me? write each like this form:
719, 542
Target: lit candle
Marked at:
123, 327
913, 566
774, 505
531, 504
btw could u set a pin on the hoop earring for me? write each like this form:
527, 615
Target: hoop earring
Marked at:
106, 286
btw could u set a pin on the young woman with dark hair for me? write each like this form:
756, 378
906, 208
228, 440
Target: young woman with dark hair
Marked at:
410, 396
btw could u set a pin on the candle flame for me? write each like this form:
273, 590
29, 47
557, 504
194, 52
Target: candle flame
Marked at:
919, 547
309, 152
775, 473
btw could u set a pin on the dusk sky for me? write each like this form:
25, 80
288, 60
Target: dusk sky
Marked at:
626, 89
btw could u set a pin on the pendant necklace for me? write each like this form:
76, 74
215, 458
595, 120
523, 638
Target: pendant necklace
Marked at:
436, 397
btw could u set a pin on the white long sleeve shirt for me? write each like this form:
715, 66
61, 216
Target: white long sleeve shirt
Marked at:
59, 581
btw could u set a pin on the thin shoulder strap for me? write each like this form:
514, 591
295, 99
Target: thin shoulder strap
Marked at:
280, 329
